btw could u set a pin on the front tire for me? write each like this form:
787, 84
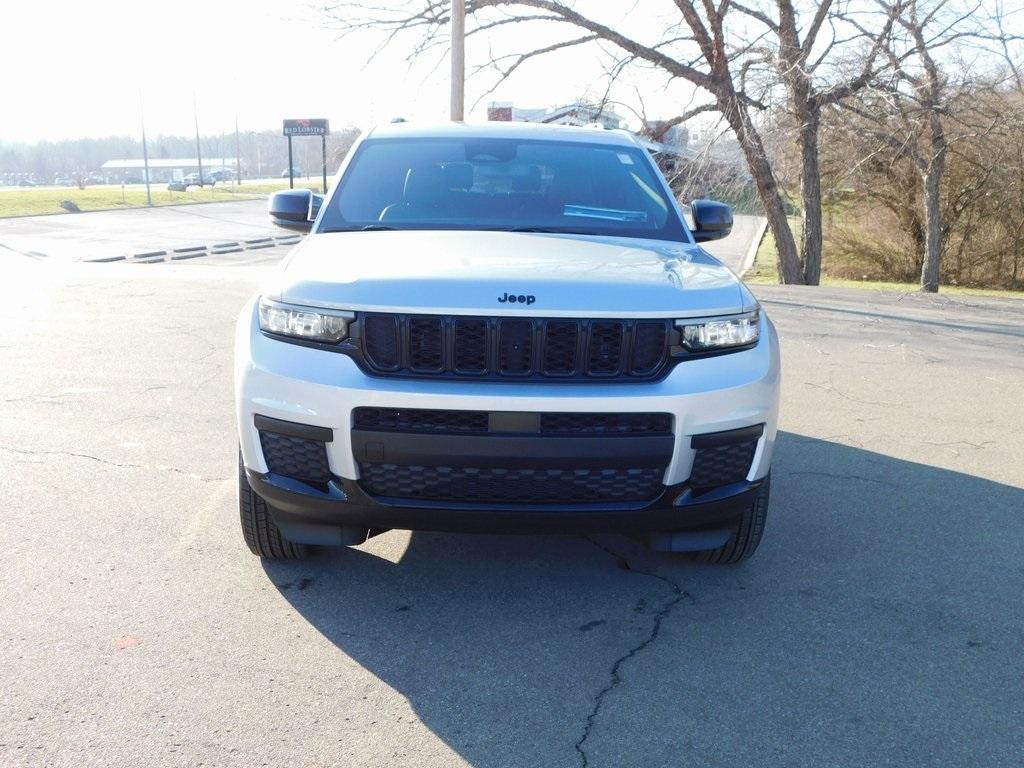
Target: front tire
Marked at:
747, 536
259, 530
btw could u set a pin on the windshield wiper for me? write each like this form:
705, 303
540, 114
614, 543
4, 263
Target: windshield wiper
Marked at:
367, 228
544, 230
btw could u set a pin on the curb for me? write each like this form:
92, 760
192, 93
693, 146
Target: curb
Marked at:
748, 259
148, 257
195, 251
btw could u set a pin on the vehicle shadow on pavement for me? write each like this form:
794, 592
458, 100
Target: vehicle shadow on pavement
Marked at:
880, 622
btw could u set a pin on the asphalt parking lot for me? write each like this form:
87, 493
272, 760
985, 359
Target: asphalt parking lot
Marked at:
880, 624
121, 233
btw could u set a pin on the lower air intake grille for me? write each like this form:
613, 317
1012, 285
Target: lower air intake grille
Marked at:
294, 457
606, 423
423, 420
511, 486
723, 464
419, 420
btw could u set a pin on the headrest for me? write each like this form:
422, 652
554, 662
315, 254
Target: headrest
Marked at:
528, 182
423, 184
458, 176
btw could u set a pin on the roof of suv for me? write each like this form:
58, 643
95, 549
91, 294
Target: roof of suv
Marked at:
503, 130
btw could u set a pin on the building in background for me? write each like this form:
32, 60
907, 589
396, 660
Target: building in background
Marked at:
578, 113
132, 171
670, 145
674, 136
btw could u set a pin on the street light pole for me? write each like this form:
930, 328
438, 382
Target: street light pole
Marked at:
458, 60
199, 152
238, 155
145, 150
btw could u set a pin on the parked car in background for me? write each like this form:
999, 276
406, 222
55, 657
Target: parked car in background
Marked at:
26, 183
221, 175
191, 180
63, 181
296, 173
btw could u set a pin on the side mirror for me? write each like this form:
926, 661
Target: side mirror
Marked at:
294, 208
712, 220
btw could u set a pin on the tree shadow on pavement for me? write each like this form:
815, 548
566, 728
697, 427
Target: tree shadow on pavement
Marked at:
879, 624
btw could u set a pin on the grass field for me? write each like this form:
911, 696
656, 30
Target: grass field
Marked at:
31, 202
763, 270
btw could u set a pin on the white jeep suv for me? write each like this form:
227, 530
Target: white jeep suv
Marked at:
503, 328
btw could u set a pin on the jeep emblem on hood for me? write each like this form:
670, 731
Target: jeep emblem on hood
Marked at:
514, 299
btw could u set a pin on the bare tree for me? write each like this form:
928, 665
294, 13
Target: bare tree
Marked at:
882, 230
819, 56
941, 55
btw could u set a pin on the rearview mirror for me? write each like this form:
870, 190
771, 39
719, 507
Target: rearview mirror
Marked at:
294, 208
712, 220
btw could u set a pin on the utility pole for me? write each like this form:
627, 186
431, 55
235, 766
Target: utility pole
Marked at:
458, 60
145, 150
199, 152
291, 166
238, 155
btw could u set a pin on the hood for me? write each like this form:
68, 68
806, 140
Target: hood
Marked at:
486, 273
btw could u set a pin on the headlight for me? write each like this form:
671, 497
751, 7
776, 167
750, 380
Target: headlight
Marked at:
312, 323
711, 333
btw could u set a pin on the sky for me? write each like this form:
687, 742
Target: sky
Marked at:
75, 69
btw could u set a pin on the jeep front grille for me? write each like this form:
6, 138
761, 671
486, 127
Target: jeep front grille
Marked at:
513, 348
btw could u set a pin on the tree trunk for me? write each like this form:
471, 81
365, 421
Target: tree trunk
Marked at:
788, 260
810, 191
933, 231
933, 207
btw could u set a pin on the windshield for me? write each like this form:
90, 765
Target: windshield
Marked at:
513, 184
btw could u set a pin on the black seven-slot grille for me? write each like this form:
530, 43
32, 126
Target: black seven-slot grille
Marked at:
507, 347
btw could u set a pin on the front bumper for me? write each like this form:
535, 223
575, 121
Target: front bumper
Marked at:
308, 386
319, 515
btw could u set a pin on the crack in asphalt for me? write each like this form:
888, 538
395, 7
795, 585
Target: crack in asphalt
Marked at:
108, 462
836, 476
679, 595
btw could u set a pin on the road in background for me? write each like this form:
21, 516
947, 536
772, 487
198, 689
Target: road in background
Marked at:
733, 249
879, 624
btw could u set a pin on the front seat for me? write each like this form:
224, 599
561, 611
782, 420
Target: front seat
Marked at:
422, 195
